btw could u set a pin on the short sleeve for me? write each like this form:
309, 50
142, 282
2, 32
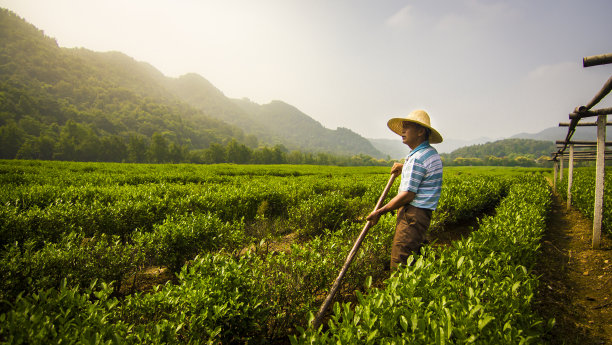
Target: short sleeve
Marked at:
413, 173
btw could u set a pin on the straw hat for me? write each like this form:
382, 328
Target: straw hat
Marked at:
419, 117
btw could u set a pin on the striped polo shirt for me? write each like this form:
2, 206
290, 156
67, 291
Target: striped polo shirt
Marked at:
422, 174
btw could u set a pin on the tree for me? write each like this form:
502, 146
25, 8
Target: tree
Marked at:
11, 139
215, 154
279, 154
295, 157
137, 149
237, 153
524, 161
178, 153
158, 152
112, 149
72, 136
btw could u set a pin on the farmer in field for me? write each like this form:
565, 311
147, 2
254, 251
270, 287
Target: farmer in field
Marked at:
420, 187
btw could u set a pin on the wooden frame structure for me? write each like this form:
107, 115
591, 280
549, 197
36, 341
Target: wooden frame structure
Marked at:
597, 148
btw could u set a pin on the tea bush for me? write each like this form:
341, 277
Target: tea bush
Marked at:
181, 238
68, 230
583, 194
479, 291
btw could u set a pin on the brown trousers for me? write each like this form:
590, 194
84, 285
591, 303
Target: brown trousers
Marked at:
410, 233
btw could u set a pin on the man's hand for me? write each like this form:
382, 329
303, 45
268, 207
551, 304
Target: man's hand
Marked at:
374, 217
397, 169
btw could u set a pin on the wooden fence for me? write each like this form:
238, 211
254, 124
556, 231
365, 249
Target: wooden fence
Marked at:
588, 150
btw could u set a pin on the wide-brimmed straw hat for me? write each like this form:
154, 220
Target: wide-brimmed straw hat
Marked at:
419, 117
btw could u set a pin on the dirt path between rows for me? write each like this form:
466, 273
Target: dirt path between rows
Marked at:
576, 281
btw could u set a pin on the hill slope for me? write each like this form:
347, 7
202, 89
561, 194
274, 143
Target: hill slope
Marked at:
287, 124
273, 123
58, 103
395, 149
76, 104
559, 133
501, 152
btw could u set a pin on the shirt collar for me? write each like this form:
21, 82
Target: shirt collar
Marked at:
422, 146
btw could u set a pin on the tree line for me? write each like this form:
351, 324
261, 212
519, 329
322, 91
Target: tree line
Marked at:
78, 142
507, 152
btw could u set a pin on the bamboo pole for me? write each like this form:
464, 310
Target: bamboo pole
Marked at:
570, 176
595, 60
606, 88
582, 143
561, 167
599, 180
582, 112
584, 124
317, 321
555, 166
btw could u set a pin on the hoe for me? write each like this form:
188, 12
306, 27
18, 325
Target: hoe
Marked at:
317, 321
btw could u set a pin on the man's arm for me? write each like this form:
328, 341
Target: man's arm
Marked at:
401, 199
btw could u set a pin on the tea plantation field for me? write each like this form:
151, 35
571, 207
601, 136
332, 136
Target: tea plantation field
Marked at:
73, 237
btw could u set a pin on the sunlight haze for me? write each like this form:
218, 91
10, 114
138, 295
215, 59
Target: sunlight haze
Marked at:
481, 68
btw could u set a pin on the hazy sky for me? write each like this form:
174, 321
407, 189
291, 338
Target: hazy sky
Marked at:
480, 68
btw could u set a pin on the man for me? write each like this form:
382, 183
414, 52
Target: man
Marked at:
420, 186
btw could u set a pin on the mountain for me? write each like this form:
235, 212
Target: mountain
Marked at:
76, 104
501, 152
273, 123
398, 150
582, 133
199, 93
296, 130
395, 149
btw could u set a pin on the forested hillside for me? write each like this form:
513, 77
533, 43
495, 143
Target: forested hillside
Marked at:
288, 124
522, 152
273, 123
75, 104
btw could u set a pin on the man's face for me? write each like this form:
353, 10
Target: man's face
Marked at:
412, 133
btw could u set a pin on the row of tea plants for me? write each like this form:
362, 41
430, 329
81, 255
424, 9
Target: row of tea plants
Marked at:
479, 291
73, 232
583, 194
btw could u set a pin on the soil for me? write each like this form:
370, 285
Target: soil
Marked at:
146, 280
576, 280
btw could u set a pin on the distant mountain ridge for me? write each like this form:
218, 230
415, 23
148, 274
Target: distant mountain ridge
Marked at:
523, 152
395, 149
273, 123
111, 97
582, 133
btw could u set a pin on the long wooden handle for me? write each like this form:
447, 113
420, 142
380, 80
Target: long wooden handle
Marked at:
317, 321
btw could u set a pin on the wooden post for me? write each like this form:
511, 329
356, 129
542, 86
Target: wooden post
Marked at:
560, 167
570, 176
599, 180
555, 168
596, 60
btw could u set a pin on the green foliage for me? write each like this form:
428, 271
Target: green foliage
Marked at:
323, 212
463, 199
479, 291
76, 260
181, 238
64, 316
103, 222
79, 105
217, 299
583, 194
507, 152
